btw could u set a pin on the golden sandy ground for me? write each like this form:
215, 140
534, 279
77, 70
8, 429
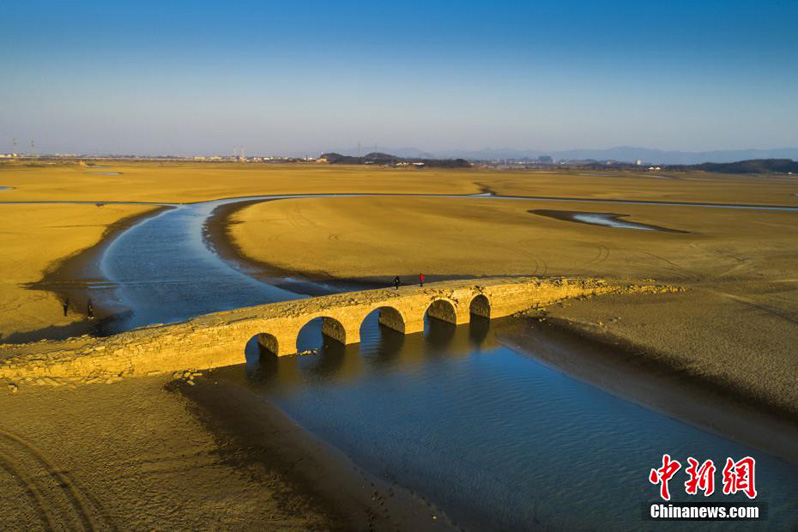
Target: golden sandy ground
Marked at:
686, 187
42, 237
186, 182
362, 237
130, 456
33, 240
140, 457
737, 323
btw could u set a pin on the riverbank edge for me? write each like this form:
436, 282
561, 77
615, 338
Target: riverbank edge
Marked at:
658, 382
255, 429
251, 428
236, 206
218, 236
70, 277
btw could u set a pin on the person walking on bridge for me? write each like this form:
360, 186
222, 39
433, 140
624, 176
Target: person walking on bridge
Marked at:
397, 281
421, 279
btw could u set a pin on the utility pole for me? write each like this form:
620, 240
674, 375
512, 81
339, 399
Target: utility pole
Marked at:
32, 148
15, 146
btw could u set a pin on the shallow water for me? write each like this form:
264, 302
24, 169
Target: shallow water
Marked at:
164, 272
657, 203
602, 219
495, 438
610, 221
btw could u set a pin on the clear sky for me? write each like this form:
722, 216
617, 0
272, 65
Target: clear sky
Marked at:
183, 77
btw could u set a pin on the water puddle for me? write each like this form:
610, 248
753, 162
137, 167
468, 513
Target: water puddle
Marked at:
606, 219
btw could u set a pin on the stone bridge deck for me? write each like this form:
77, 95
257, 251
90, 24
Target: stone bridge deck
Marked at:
218, 339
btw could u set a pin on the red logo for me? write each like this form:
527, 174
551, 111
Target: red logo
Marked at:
738, 476
701, 478
663, 475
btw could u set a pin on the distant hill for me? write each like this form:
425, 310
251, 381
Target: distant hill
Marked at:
627, 154
754, 166
388, 159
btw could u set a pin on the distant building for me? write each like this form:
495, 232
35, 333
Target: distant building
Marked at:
638, 163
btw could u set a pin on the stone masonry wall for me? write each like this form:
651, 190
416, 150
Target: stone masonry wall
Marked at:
218, 339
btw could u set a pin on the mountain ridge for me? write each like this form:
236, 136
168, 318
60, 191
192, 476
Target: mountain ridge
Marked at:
628, 154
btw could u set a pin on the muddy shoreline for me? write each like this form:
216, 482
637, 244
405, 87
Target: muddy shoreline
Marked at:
658, 383
74, 278
249, 428
572, 216
735, 393
216, 233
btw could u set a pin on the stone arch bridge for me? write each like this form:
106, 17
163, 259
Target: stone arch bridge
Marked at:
218, 339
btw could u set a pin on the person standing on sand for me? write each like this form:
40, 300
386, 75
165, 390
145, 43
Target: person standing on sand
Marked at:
66, 306
397, 281
421, 278
90, 310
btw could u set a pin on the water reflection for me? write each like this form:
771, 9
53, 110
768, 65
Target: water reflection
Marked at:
605, 219
380, 348
497, 439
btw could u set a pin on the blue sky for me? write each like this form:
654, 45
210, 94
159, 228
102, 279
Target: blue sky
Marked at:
203, 76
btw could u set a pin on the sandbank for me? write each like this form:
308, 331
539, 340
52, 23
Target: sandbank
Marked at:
47, 250
735, 325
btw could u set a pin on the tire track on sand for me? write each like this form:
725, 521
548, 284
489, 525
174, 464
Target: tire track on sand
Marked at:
57, 497
27, 484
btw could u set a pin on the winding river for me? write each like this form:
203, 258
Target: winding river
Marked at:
493, 436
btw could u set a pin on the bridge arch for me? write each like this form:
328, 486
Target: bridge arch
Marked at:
444, 310
480, 306
329, 327
268, 343
389, 317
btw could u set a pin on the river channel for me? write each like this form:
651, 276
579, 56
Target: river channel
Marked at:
493, 436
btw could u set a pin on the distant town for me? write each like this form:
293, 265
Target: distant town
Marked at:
753, 166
